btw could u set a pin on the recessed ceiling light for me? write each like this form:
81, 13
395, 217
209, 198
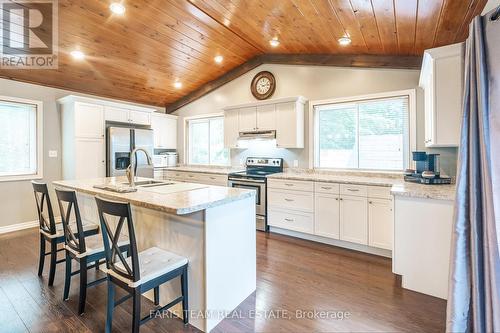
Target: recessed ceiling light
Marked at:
178, 84
77, 55
117, 8
344, 41
274, 42
218, 59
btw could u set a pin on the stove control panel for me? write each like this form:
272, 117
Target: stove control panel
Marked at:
265, 162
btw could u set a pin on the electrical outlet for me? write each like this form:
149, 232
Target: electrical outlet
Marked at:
53, 153
295, 163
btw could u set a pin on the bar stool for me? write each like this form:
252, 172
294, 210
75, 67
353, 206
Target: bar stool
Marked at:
142, 271
50, 231
81, 248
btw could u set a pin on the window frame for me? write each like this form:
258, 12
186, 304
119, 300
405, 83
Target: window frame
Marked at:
187, 135
39, 140
314, 125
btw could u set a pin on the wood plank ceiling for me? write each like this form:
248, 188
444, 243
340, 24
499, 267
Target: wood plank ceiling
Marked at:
138, 56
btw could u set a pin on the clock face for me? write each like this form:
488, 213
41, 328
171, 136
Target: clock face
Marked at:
263, 85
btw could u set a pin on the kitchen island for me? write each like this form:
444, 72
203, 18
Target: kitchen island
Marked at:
214, 227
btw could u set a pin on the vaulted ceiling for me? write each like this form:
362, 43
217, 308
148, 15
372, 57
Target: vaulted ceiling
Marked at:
138, 56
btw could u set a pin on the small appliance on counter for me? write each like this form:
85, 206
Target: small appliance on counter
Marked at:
427, 170
165, 159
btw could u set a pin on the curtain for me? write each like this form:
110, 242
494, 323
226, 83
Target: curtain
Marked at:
474, 290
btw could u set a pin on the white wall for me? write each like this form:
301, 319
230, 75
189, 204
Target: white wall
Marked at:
313, 82
17, 202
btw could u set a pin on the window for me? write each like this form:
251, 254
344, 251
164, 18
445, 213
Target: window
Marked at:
364, 133
206, 141
20, 139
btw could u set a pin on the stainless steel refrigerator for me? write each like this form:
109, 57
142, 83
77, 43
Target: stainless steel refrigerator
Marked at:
120, 143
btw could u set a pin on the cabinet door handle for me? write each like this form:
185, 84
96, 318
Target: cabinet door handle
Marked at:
336, 199
341, 199
289, 220
370, 202
289, 200
326, 188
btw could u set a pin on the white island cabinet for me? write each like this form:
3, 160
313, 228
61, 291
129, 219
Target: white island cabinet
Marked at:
213, 226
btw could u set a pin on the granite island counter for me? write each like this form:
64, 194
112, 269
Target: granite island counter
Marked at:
214, 227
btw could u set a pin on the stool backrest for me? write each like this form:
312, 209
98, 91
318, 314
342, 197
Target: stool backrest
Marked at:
111, 236
68, 203
44, 208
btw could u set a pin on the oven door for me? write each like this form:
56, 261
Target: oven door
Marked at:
256, 185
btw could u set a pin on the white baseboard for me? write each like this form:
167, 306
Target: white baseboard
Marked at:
334, 242
18, 226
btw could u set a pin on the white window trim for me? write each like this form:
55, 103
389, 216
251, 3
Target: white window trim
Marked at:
39, 139
186, 136
313, 124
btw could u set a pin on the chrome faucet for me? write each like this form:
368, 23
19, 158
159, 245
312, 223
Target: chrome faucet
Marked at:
133, 165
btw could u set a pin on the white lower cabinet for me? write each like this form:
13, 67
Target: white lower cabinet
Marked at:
352, 213
354, 219
380, 222
296, 221
327, 215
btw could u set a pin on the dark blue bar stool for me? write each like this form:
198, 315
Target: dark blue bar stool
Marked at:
142, 271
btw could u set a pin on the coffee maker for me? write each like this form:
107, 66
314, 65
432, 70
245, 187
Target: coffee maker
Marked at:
427, 170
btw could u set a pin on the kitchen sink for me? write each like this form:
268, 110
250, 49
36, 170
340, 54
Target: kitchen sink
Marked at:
149, 182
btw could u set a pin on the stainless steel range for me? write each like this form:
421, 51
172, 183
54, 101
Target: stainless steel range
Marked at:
254, 178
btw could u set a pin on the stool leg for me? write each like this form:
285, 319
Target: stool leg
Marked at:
53, 259
97, 265
83, 285
110, 307
184, 290
136, 314
67, 278
156, 292
41, 260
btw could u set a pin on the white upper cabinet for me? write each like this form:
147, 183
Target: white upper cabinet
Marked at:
247, 118
124, 115
266, 117
231, 129
283, 115
116, 114
165, 130
442, 80
290, 125
89, 120
139, 117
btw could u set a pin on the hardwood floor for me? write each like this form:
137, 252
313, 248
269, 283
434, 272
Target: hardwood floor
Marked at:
351, 291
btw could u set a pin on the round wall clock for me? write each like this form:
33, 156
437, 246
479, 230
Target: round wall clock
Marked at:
263, 85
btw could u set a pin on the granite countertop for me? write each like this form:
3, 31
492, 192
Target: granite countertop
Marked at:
438, 192
218, 170
398, 186
179, 203
359, 178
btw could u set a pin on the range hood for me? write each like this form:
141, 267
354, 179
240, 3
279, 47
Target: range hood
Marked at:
260, 135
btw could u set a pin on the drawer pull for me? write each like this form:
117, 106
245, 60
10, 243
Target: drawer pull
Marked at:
288, 184
326, 187
370, 202
212, 177
289, 200
353, 189
289, 220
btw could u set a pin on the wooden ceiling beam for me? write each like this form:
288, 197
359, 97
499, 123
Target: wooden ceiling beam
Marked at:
359, 61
